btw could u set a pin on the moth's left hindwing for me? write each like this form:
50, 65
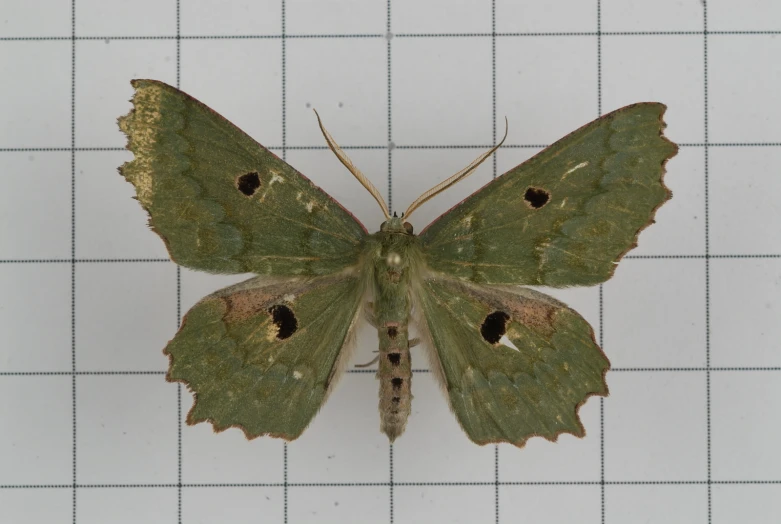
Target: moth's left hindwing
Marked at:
222, 202
502, 394
262, 356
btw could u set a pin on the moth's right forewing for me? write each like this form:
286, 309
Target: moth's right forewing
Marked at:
222, 202
263, 355
505, 394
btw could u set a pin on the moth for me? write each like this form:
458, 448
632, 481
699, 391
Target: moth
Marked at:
263, 355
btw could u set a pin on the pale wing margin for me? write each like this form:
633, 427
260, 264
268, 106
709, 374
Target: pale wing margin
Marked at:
498, 393
264, 354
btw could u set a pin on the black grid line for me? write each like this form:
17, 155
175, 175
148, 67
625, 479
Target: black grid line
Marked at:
283, 58
315, 36
73, 256
178, 295
602, 499
493, 176
707, 258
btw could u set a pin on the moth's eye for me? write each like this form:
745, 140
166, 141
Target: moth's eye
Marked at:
494, 326
248, 183
408, 228
536, 197
284, 319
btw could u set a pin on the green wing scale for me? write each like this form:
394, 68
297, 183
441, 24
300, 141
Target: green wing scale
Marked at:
222, 202
566, 216
502, 394
263, 356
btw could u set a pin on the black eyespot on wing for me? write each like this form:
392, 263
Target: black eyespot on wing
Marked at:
408, 228
394, 358
392, 332
536, 197
397, 382
494, 326
248, 183
284, 319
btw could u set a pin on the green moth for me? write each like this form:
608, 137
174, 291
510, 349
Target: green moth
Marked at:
264, 354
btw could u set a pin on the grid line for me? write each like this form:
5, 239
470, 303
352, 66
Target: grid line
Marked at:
707, 258
601, 289
283, 58
73, 259
179, 453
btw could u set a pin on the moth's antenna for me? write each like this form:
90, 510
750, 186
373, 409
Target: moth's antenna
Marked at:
468, 170
344, 159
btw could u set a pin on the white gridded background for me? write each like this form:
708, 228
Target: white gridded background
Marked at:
90, 432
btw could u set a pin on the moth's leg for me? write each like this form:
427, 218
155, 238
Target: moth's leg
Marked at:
413, 342
368, 313
373, 361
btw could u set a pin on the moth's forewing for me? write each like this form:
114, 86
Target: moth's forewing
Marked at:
222, 202
500, 393
567, 215
262, 356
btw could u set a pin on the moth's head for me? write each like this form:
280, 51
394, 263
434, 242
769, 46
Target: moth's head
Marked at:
396, 224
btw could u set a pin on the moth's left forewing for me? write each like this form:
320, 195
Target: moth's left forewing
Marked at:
505, 394
264, 354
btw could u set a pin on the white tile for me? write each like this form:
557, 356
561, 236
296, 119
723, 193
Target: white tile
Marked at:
665, 69
742, 92
35, 329
238, 505
749, 15
654, 313
426, 16
211, 458
241, 80
655, 427
532, 16
545, 86
126, 314
127, 505
36, 111
746, 503
569, 459
430, 425
127, 430
354, 111
343, 504
549, 504
35, 206
335, 17
743, 200
36, 443
19, 18
343, 443
53, 506
745, 429
110, 222
745, 301
238, 17
656, 504
441, 91
662, 15
456, 504
104, 69
121, 18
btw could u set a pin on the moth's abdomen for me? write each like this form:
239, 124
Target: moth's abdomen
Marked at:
394, 374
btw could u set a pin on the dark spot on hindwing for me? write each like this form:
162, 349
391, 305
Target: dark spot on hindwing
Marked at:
248, 183
536, 197
284, 319
494, 326
397, 382
394, 358
392, 332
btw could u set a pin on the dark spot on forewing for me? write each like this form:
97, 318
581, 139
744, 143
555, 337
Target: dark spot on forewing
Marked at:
494, 326
536, 197
397, 382
249, 183
284, 319
394, 358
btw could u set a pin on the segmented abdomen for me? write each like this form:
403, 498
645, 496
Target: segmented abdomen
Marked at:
395, 374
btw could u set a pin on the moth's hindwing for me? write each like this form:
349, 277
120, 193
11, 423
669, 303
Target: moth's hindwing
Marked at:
262, 355
567, 215
502, 394
221, 201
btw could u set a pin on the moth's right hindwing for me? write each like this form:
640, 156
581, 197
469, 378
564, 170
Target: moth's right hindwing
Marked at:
221, 201
263, 355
